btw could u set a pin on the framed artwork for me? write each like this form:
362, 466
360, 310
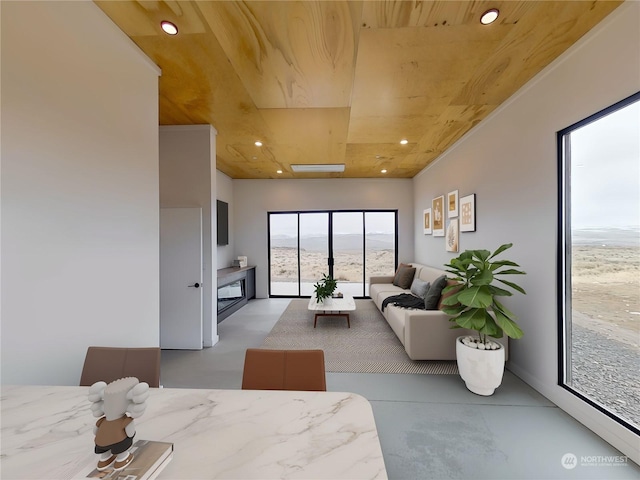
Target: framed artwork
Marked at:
451, 238
437, 220
468, 213
426, 224
452, 204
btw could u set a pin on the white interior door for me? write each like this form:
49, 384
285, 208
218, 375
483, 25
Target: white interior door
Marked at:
181, 278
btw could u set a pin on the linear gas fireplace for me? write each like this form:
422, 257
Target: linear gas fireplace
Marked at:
236, 286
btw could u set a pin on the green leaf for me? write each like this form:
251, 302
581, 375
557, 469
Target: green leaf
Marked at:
467, 254
499, 307
453, 310
478, 264
512, 285
500, 292
511, 271
501, 249
448, 289
476, 297
510, 327
471, 272
461, 261
473, 319
485, 277
481, 254
490, 327
503, 263
456, 273
452, 300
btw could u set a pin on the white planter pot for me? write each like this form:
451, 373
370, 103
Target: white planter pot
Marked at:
481, 370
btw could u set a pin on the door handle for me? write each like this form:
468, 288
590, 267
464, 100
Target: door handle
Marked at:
195, 285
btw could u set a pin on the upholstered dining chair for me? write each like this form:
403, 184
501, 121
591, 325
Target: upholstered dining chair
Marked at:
110, 363
266, 369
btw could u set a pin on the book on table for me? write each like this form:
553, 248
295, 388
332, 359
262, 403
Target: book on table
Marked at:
149, 458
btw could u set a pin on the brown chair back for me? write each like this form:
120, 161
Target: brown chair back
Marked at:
111, 363
284, 370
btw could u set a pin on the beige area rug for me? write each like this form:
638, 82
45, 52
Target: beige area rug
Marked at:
369, 346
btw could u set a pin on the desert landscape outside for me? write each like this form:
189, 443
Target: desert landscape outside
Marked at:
352, 268
605, 318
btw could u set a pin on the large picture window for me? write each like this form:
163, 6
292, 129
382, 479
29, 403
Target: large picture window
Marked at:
599, 263
350, 245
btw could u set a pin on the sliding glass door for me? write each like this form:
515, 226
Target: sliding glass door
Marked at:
284, 265
349, 245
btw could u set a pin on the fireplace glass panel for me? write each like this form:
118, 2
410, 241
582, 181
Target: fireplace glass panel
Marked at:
231, 294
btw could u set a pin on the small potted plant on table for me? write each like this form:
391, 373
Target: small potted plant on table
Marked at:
474, 306
325, 287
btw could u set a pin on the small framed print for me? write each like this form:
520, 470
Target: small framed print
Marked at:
426, 223
451, 239
468, 213
437, 220
452, 204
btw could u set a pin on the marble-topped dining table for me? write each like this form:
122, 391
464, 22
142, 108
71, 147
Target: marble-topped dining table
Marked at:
261, 434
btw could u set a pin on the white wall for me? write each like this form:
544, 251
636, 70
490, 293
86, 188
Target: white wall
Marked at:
224, 192
79, 190
509, 161
252, 199
187, 165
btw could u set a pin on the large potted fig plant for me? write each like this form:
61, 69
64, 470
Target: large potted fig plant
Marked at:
474, 305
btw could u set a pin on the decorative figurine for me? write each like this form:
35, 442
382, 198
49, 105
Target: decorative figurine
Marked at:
117, 404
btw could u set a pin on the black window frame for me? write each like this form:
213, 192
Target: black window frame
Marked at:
564, 246
330, 260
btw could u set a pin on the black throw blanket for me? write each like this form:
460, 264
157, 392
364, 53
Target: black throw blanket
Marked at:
406, 300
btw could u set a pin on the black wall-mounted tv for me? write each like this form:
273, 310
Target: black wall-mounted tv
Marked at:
223, 222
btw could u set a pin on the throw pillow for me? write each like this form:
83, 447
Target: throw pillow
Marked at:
419, 287
404, 277
434, 293
401, 266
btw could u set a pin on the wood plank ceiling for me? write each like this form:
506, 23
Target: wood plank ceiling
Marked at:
341, 81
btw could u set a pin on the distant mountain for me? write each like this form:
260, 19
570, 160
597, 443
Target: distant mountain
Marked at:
615, 237
349, 242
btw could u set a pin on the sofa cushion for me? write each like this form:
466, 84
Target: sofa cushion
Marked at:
419, 287
395, 317
435, 292
379, 291
404, 277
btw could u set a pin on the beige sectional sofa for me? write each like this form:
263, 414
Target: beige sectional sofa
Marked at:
425, 334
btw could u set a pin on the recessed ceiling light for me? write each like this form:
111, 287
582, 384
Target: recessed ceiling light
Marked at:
258, 143
279, 171
404, 141
169, 27
489, 16
384, 170
319, 167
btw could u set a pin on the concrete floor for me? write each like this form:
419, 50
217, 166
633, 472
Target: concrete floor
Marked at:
430, 426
